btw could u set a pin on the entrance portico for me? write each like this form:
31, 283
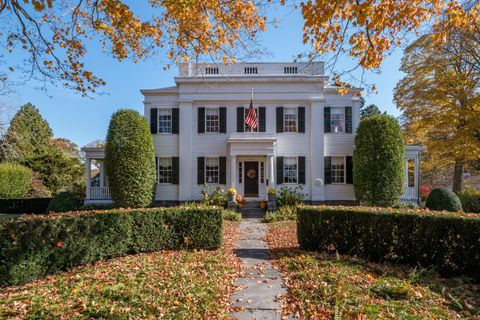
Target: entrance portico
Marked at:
252, 163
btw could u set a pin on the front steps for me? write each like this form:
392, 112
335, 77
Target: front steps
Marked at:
252, 210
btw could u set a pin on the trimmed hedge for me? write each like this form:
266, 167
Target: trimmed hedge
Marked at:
65, 201
35, 246
443, 199
15, 180
27, 205
449, 242
470, 199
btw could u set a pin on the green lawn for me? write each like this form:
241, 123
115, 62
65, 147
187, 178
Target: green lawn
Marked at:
168, 284
329, 286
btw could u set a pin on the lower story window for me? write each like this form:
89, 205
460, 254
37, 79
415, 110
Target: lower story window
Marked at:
240, 172
164, 170
338, 170
211, 170
290, 172
262, 172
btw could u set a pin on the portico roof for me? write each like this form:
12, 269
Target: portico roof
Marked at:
252, 144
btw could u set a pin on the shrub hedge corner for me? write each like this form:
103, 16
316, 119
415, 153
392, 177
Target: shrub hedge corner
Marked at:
34, 246
450, 242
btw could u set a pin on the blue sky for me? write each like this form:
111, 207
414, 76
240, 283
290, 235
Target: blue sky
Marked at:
83, 120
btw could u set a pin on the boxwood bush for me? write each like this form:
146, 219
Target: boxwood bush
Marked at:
470, 199
443, 199
34, 246
449, 242
15, 180
64, 201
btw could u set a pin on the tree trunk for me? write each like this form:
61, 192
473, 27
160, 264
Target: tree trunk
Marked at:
458, 176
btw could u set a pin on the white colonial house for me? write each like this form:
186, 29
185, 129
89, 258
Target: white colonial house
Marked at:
305, 134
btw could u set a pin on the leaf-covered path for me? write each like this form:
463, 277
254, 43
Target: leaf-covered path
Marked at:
261, 284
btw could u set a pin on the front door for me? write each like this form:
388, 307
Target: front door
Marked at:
251, 178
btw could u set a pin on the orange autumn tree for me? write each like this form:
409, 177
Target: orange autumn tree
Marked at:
53, 34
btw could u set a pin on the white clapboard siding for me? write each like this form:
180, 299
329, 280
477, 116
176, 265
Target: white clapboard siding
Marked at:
166, 192
339, 192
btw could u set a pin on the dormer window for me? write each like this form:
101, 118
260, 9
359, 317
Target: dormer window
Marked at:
251, 70
290, 70
211, 70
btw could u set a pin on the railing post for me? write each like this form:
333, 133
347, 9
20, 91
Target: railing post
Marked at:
88, 178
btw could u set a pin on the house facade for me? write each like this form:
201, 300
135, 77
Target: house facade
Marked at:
304, 134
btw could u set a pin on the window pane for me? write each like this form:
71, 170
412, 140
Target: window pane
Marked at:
212, 120
211, 170
165, 121
338, 170
337, 120
290, 170
164, 170
411, 172
240, 172
290, 120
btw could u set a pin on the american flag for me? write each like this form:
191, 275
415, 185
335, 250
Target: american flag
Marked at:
251, 118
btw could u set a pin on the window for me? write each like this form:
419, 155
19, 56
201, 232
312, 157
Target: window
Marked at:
338, 170
164, 120
247, 128
290, 173
251, 70
262, 172
290, 120
411, 173
212, 120
240, 172
211, 70
164, 170
290, 70
337, 119
211, 170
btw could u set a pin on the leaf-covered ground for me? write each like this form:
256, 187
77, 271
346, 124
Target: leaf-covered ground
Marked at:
166, 284
326, 286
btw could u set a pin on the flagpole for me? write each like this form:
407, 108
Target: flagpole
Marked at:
251, 129
252, 94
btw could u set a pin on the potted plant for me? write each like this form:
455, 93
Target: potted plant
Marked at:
271, 193
231, 194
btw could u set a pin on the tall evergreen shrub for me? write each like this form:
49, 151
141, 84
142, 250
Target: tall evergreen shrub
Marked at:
15, 180
378, 161
130, 160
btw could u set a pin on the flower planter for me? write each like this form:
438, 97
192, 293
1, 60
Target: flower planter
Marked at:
271, 197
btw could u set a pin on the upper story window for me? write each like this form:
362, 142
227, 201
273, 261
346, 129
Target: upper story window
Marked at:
337, 119
212, 170
290, 170
338, 169
248, 128
290, 70
251, 70
212, 120
164, 120
290, 120
164, 170
211, 70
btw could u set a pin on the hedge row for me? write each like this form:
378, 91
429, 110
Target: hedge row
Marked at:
27, 205
448, 242
34, 246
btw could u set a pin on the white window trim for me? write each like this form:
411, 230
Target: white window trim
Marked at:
344, 170
205, 120
344, 121
205, 170
158, 170
158, 121
290, 183
296, 119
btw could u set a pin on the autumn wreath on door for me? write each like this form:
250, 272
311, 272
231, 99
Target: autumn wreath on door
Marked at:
251, 173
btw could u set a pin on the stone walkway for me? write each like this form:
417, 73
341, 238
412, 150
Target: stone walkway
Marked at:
262, 284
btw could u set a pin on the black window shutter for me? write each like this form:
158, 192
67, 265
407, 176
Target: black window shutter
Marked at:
201, 120
328, 170
223, 120
153, 120
240, 119
261, 119
223, 170
156, 168
301, 119
326, 119
348, 119
200, 170
279, 119
349, 166
175, 120
301, 170
175, 170
279, 170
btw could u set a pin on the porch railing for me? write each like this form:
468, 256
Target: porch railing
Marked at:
99, 193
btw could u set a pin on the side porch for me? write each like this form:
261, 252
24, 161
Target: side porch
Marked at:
97, 191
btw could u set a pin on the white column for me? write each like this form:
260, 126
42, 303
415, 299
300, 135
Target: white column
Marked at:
417, 176
101, 172
185, 151
317, 179
233, 172
88, 177
271, 172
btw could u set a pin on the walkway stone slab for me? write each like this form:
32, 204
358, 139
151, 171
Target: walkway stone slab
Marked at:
262, 284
